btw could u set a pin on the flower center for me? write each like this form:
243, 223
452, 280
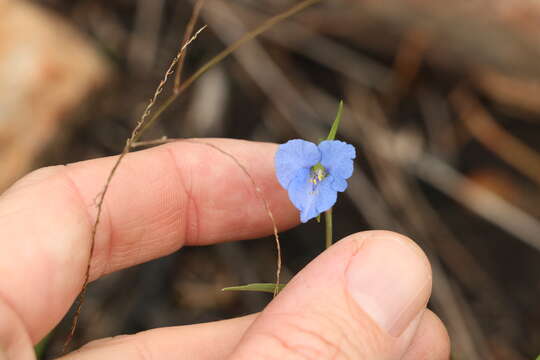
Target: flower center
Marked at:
318, 173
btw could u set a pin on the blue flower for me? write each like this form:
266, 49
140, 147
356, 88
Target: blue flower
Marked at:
314, 174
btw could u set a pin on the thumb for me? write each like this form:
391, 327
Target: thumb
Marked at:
361, 299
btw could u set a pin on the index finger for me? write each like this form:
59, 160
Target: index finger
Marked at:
159, 200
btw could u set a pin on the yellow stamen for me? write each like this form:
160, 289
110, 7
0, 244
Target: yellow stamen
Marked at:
318, 173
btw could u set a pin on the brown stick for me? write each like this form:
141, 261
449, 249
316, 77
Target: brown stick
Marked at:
165, 140
137, 132
493, 136
144, 123
187, 35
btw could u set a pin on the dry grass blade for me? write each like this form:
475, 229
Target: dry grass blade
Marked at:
145, 122
187, 35
322, 49
484, 128
255, 186
483, 202
101, 196
229, 50
266, 206
137, 132
274, 82
407, 64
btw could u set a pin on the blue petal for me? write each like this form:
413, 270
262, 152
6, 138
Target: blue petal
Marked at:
337, 158
327, 196
311, 199
339, 184
293, 156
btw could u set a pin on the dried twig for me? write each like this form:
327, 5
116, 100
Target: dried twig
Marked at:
229, 50
101, 196
266, 206
483, 202
322, 49
276, 85
142, 124
145, 122
408, 62
187, 35
165, 140
493, 136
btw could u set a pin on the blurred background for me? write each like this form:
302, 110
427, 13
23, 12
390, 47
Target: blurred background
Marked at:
441, 101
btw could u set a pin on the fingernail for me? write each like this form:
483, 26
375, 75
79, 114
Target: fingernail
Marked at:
390, 280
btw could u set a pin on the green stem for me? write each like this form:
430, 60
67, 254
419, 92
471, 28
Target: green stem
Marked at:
42, 345
328, 221
335, 124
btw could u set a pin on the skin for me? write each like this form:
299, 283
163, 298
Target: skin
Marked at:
176, 195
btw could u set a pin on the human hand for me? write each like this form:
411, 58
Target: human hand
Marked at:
364, 298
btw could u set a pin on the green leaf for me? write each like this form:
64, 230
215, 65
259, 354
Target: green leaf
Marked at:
538, 357
335, 125
40, 347
263, 287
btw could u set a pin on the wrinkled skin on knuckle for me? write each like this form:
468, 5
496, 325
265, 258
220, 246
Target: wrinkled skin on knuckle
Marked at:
285, 345
367, 337
317, 336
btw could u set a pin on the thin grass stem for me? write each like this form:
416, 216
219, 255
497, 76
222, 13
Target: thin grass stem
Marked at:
329, 227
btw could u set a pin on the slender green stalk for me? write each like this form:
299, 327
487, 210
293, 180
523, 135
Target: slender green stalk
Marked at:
262, 287
335, 124
332, 136
42, 345
328, 223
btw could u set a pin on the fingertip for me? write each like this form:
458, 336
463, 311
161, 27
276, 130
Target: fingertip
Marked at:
390, 279
355, 300
390, 236
430, 341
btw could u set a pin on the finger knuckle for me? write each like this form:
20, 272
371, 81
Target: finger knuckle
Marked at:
297, 338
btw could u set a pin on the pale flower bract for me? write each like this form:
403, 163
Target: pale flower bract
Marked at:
313, 174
